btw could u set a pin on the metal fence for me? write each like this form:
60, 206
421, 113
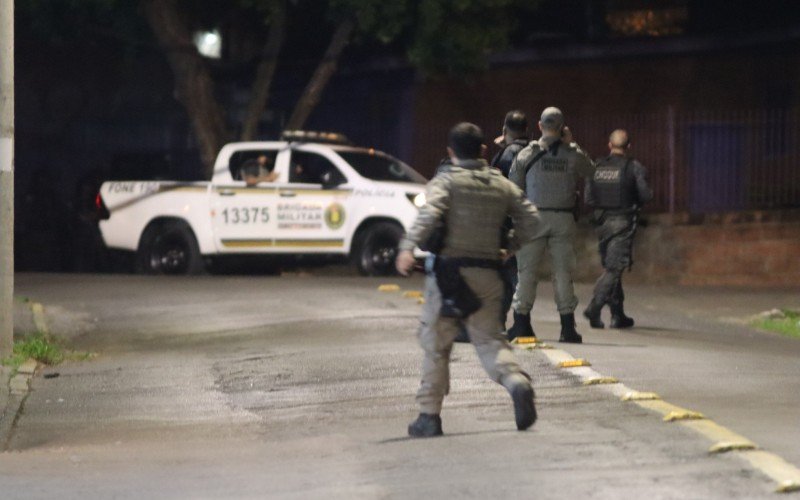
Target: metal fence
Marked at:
709, 161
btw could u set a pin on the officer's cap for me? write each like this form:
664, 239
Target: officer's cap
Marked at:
552, 118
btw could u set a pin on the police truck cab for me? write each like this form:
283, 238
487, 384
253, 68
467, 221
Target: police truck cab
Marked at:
323, 196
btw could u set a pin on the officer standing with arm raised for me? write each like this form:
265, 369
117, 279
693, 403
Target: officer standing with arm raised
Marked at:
513, 140
473, 200
548, 170
617, 191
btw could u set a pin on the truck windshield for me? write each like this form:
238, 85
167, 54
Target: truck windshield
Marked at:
379, 167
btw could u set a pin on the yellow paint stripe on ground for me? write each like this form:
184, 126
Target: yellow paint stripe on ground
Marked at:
661, 407
389, 287
412, 294
600, 381
524, 340
724, 439
640, 396
782, 472
674, 416
535, 346
574, 363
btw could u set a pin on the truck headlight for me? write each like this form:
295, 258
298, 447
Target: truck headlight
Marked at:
417, 199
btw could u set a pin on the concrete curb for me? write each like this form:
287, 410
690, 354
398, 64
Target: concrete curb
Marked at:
14, 387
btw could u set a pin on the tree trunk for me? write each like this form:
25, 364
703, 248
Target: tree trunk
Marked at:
325, 70
266, 70
193, 85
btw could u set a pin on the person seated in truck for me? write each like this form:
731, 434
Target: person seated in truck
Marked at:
257, 170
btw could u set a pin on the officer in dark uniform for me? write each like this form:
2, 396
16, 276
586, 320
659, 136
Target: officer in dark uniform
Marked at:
513, 140
617, 190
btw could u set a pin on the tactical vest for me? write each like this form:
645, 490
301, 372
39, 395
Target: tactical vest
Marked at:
551, 178
612, 189
478, 207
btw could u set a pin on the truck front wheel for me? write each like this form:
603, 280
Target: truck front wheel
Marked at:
376, 249
169, 248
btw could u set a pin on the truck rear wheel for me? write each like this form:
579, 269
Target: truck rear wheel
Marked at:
169, 248
376, 249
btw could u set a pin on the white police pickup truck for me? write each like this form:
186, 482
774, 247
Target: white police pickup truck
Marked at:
325, 197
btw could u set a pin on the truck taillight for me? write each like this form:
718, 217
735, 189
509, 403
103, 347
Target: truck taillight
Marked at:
100, 206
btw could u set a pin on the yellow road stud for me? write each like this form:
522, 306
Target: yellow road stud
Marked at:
389, 288
524, 340
788, 486
412, 294
683, 415
640, 396
537, 345
574, 363
601, 380
726, 446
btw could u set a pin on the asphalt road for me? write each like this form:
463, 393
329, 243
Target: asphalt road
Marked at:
301, 387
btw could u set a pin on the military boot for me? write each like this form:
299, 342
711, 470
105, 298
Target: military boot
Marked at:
568, 332
522, 394
426, 425
521, 327
592, 313
618, 318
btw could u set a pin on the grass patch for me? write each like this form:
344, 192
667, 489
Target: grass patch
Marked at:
788, 325
38, 346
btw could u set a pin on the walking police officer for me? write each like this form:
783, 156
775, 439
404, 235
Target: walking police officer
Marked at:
473, 200
513, 140
616, 191
548, 170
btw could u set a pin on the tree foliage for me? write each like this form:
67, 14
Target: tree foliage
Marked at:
438, 37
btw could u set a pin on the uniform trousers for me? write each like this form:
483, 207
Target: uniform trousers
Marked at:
558, 229
436, 335
616, 242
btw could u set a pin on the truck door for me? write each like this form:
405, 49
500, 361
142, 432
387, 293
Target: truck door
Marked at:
312, 208
243, 212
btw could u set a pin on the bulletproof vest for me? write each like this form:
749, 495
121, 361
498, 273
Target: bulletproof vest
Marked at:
612, 189
551, 179
478, 208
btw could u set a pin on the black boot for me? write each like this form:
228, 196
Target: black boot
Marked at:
524, 408
568, 332
618, 318
592, 313
426, 425
521, 327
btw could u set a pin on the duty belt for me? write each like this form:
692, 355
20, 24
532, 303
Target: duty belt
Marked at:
474, 262
570, 209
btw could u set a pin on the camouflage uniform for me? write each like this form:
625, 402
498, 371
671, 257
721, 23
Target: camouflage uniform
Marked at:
550, 184
473, 200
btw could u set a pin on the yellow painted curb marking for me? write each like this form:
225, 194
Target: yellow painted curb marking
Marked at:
389, 288
412, 294
524, 340
683, 415
640, 396
725, 446
601, 380
573, 363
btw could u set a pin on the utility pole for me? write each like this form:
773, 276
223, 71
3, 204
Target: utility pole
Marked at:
6, 177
